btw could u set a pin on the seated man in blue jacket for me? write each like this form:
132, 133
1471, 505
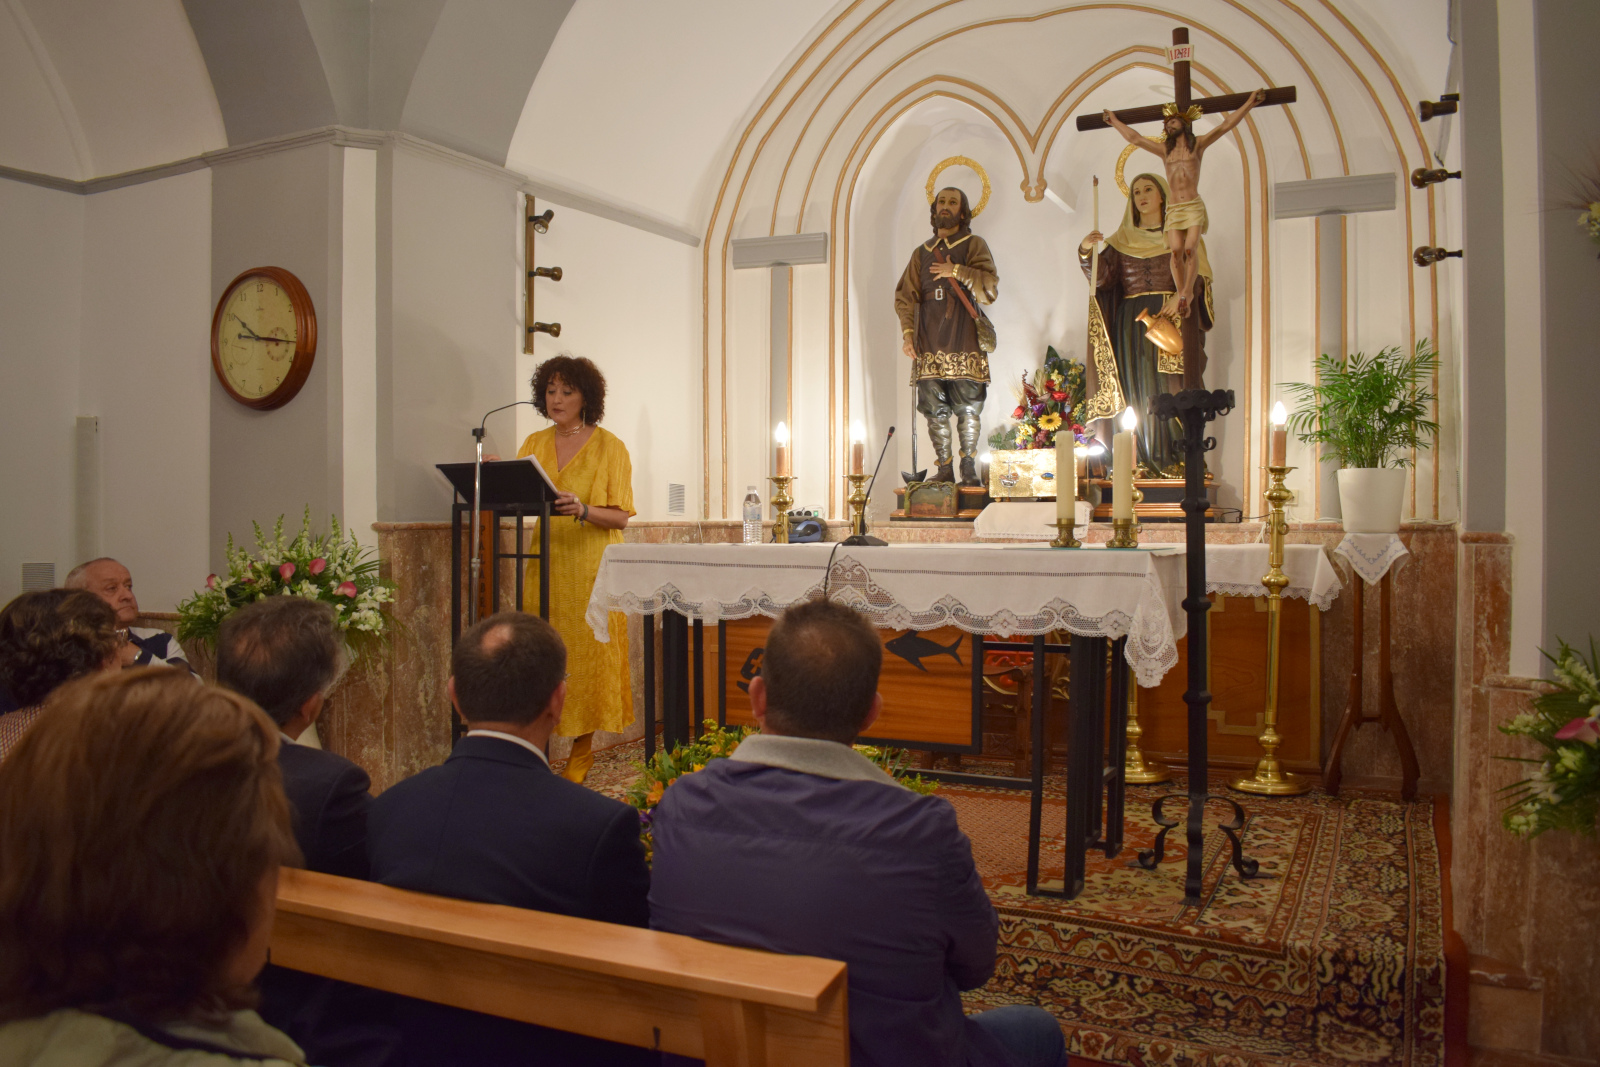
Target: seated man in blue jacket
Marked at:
799, 844
494, 824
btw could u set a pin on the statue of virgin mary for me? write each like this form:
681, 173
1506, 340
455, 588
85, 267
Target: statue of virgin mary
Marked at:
1124, 367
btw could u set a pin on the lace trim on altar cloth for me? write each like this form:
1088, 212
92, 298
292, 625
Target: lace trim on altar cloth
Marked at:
1255, 589
1151, 649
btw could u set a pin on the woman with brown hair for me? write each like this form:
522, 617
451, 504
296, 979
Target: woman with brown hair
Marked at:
142, 825
47, 638
594, 475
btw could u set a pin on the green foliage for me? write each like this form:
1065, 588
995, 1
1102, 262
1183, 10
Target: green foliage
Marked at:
1371, 410
1563, 792
332, 568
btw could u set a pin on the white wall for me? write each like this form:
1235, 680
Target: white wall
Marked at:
41, 278
449, 312
146, 372
627, 300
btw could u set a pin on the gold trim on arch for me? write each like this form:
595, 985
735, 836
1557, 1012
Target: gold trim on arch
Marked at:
863, 27
972, 165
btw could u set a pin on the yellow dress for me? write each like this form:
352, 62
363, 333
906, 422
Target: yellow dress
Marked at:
599, 694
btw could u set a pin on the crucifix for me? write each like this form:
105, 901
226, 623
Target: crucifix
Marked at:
1182, 112
1194, 407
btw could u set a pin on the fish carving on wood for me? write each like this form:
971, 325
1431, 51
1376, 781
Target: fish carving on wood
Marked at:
914, 648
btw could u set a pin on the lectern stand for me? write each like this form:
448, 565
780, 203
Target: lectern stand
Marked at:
511, 489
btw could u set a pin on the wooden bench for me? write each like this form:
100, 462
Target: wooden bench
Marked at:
728, 1006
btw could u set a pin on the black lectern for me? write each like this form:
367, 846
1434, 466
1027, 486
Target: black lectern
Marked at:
512, 488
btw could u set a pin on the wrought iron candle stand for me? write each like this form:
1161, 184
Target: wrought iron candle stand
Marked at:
1194, 408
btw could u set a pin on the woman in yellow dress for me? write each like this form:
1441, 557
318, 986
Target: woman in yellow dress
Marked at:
594, 475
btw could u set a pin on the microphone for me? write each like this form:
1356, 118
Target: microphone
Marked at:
861, 537
478, 433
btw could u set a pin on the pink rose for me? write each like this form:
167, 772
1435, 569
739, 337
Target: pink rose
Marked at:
318, 565
211, 581
286, 571
347, 589
1579, 730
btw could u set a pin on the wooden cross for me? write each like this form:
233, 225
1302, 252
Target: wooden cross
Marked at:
1181, 53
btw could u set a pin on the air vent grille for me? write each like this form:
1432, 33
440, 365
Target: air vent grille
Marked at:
37, 576
675, 498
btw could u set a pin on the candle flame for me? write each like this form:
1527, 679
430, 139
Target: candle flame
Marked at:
985, 458
1280, 414
1096, 448
1080, 450
781, 434
858, 432
1129, 419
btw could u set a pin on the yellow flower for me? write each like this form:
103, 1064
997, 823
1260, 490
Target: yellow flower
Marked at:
654, 796
1052, 421
1024, 435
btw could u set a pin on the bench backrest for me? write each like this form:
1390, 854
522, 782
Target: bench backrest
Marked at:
728, 1006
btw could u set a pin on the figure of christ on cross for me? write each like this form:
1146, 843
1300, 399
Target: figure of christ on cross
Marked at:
1183, 175
1186, 215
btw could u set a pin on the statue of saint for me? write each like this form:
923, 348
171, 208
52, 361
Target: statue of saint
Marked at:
944, 331
1136, 277
1186, 215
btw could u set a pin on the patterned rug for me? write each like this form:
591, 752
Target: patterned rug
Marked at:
1335, 957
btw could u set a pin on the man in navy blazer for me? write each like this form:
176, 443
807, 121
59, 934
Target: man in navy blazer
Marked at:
285, 654
799, 844
494, 824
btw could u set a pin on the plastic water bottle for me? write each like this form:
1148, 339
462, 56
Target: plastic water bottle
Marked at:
752, 516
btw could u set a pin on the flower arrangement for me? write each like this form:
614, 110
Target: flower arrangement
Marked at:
332, 568
718, 742
1052, 399
1585, 197
1563, 793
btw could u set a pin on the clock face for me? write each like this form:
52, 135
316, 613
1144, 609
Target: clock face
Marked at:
263, 337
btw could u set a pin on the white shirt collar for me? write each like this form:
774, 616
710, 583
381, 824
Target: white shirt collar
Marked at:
514, 739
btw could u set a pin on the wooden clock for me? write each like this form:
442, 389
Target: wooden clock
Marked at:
264, 337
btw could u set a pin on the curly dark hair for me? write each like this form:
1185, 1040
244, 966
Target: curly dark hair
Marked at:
51, 636
577, 372
966, 210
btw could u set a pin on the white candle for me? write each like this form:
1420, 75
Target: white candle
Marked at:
781, 435
858, 447
1064, 467
1097, 206
1280, 435
1122, 461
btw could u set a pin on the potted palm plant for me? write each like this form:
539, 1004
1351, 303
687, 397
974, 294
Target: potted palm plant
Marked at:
1371, 411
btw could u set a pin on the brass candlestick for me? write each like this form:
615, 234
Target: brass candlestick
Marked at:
858, 503
1135, 769
1066, 534
1125, 532
781, 499
1270, 779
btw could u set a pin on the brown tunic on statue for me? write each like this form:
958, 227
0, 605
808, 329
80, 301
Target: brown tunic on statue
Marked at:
941, 329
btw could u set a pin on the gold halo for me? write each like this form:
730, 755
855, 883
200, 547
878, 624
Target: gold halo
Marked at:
971, 164
1122, 160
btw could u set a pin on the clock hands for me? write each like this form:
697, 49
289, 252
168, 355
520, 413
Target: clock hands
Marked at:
251, 335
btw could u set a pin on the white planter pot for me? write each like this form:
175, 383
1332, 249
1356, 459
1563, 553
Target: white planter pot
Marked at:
1372, 499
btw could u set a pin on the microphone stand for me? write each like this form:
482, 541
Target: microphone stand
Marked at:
861, 537
477, 510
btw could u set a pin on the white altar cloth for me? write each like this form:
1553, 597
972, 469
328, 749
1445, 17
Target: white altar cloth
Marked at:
1236, 570
1372, 555
1004, 590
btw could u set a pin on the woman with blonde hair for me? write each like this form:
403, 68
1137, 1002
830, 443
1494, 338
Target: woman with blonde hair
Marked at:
142, 825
